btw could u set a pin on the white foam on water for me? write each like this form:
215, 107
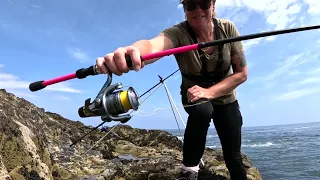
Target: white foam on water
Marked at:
212, 136
267, 144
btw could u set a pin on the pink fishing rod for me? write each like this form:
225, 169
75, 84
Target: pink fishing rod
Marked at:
91, 71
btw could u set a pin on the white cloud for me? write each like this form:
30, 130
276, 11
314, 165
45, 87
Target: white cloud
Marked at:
287, 66
62, 87
277, 13
270, 38
314, 6
306, 79
8, 77
281, 16
298, 93
64, 98
310, 80
314, 71
293, 73
1, 65
12, 82
20, 88
251, 43
78, 55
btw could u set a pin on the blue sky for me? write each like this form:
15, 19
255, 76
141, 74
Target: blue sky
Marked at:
41, 40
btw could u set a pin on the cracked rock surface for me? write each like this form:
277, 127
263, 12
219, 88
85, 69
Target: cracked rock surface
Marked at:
35, 144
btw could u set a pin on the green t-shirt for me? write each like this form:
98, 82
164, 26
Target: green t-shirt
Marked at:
190, 63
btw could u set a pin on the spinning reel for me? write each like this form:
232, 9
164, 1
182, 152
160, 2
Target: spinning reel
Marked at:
111, 104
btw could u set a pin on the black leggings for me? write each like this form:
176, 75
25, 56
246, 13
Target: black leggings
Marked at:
227, 120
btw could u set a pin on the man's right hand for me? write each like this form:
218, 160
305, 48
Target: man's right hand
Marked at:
116, 63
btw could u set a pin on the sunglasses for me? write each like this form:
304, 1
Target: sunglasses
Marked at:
191, 5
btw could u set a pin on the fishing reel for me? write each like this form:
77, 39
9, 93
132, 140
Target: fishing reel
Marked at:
111, 104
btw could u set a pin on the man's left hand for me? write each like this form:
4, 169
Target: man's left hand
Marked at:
196, 92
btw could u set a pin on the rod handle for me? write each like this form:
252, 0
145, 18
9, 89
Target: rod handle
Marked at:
84, 72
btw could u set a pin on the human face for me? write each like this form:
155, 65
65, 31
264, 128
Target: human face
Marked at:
199, 12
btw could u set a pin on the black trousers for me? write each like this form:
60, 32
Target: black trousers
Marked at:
227, 120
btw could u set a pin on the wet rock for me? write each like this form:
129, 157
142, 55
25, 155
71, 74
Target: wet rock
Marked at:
3, 171
35, 144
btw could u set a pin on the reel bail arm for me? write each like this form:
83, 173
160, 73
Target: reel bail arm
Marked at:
110, 104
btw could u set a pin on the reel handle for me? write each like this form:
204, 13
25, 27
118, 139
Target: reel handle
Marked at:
85, 112
81, 113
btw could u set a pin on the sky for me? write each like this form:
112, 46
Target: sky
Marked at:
41, 40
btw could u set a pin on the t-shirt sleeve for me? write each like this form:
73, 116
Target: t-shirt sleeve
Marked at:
237, 46
173, 34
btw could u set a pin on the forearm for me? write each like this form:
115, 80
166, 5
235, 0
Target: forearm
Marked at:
227, 85
240, 73
157, 44
145, 47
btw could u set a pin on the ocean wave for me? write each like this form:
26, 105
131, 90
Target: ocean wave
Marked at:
267, 144
208, 137
306, 127
212, 136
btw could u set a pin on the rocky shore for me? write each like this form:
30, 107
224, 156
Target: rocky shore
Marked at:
35, 144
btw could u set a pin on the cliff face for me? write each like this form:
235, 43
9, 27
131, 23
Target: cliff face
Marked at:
35, 144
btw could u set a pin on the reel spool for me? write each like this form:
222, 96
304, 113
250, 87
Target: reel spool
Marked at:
121, 101
110, 104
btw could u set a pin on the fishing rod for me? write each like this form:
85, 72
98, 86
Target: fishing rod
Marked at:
92, 70
111, 105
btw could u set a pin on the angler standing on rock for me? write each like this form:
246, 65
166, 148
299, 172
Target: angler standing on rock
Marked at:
209, 75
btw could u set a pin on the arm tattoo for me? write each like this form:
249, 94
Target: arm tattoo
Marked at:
241, 58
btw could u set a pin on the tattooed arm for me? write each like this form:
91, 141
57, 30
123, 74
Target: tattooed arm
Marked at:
239, 66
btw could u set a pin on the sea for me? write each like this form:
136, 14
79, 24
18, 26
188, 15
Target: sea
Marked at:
282, 152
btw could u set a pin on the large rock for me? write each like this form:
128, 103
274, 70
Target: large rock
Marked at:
35, 144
